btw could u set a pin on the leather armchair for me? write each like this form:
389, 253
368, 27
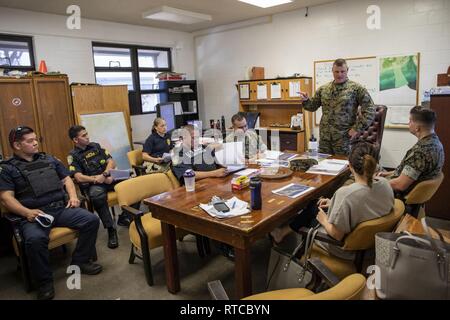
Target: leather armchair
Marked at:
136, 161
374, 133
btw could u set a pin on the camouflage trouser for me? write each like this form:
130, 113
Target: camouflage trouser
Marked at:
330, 145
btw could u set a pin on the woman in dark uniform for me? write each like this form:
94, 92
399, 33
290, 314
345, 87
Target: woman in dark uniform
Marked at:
156, 146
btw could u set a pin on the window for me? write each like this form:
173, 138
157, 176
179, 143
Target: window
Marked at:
135, 66
16, 53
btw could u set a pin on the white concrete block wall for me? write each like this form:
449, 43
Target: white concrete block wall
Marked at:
291, 43
70, 51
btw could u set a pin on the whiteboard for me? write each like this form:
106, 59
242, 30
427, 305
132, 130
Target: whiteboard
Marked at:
110, 131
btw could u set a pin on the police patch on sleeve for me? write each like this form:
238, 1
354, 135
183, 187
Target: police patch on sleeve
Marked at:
72, 168
102, 161
168, 142
69, 160
106, 152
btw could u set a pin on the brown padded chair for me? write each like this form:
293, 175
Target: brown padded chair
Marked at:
349, 288
374, 133
136, 161
145, 231
362, 238
422, 193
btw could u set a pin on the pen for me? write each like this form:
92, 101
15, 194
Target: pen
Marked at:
234, 203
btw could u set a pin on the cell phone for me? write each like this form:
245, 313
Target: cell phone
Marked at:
221, 207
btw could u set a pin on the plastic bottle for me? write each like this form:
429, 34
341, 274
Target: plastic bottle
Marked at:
255, 193
189, 180
313, 147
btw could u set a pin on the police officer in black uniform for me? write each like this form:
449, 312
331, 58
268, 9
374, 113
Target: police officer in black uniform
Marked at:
89, 163
191, 155
32, 185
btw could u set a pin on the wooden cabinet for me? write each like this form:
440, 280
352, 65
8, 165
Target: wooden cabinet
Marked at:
439, 206
42, 103
277, 102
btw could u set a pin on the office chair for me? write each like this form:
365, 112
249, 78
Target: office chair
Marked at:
421, 194
58, 237
350, 288
374, 133
136, 161
145, 231
252, 118
361, 239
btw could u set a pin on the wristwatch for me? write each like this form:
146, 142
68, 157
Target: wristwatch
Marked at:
106, 174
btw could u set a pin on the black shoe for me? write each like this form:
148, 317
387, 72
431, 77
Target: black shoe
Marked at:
227, 251
46, 292
113, 241
90, 268
123, 220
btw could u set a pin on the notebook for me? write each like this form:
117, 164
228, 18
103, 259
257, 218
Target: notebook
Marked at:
119, 174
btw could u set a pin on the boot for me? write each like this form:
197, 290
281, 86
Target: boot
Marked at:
113, 241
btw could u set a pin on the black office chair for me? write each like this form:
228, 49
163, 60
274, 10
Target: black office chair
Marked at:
252, 118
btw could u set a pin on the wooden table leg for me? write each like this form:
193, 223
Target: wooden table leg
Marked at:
170, 257
243, 273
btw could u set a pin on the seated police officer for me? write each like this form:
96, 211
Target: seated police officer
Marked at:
89, 164
31, 186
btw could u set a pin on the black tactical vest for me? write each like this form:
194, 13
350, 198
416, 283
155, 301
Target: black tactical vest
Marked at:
92, 161
40, 177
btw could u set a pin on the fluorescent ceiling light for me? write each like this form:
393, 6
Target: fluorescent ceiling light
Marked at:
170, 14
266, 3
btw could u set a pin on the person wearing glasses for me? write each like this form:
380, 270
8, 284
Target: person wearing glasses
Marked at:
89, 164
32, 186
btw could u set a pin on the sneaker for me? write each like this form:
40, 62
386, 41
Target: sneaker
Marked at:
123, 220
113, 240
46, 292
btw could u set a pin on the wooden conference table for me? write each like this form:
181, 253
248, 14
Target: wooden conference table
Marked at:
180, 208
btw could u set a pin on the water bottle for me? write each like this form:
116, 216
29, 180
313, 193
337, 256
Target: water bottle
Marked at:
312, 147
255, 193
223, 123
189, 180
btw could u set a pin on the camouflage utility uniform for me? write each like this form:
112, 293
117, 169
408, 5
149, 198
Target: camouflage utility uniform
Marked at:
423, 161
253, 142
339, 104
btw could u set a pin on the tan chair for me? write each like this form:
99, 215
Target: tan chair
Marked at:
59, 236
349, 288
422, 193
145, 231
362, 238
135, 159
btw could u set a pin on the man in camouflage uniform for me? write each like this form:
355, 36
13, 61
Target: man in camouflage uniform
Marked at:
424, 160
339, 100
253, 142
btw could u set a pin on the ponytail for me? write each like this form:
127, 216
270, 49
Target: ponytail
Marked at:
363, 160
369, 167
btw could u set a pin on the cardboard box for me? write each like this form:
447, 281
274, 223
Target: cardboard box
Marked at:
257, 73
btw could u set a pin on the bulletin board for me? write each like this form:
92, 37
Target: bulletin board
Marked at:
391, 80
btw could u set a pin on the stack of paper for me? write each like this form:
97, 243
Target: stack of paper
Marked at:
278, 155
329, 167
237, 208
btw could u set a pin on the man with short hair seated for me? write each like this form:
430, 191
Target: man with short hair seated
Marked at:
424, 160
32, 186
191, 155
252, 141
